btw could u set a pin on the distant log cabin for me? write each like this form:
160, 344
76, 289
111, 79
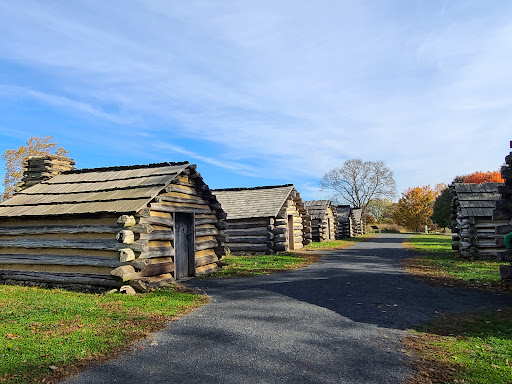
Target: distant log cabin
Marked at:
343, 217
265, 219
142, 225
323, 223
475, 230
358, 222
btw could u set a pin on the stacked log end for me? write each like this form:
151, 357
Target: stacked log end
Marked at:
503, 212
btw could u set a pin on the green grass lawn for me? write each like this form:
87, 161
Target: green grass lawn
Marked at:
463, 348
255, 265
50, 333
438, 261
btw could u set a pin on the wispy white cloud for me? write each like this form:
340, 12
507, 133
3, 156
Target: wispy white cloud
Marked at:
287, 90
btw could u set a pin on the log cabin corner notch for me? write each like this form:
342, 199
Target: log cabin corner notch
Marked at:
143, 225
265, 219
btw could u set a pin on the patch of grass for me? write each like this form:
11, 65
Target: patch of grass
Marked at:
51, 333
439, 264
337, 244
464, 348
255, 265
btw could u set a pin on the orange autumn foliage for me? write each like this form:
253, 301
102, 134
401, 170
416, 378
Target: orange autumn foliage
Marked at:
416, 206
484, 177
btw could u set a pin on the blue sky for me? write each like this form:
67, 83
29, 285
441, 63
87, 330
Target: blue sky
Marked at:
262, 92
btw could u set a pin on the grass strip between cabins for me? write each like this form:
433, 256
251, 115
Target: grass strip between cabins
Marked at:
439, 264
254, 265
461, 348
51, 333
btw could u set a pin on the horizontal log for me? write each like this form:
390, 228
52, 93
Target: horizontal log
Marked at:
156, 220
207, 232
57, 229
181, 189
210, 219
455, 246
94, 244
49, 259
138, 245
141, 228
254, 223
247, 239
162, 235
60, 278
161, 207
204, 260
201, 245
127, 272
157, 252
192, 200
202, 270
257, 231
281, 247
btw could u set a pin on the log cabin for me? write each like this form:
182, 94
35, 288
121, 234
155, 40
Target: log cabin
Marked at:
323, 223
475, 231
265, 219
503, 214
141, 225
343, 217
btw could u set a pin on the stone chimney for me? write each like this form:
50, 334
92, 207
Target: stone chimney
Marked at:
40, 168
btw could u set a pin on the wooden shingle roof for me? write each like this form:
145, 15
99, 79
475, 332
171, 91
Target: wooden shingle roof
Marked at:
317, 209
243, 203
342, 212
122, 190
477, 200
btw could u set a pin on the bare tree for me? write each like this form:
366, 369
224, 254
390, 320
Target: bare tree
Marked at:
357, 182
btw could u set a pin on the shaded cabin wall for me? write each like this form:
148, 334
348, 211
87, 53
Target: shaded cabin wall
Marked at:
70, 252
251, 235
343, 223
111, 251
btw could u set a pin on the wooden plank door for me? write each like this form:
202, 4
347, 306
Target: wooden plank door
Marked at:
184, 245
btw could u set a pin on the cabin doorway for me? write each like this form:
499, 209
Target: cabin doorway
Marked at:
184, 245
329, 237
291, 240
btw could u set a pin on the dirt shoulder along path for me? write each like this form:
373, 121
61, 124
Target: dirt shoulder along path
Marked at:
336, 321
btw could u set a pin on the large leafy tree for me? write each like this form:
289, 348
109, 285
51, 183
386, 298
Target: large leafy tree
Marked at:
14, 158
415, 207
442, 207
378, 208
357, 182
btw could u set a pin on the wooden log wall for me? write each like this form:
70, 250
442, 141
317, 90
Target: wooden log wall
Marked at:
150, 257
293, 214
68, 252
358, 223
503, 212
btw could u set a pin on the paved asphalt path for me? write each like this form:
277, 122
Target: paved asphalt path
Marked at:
337, 321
